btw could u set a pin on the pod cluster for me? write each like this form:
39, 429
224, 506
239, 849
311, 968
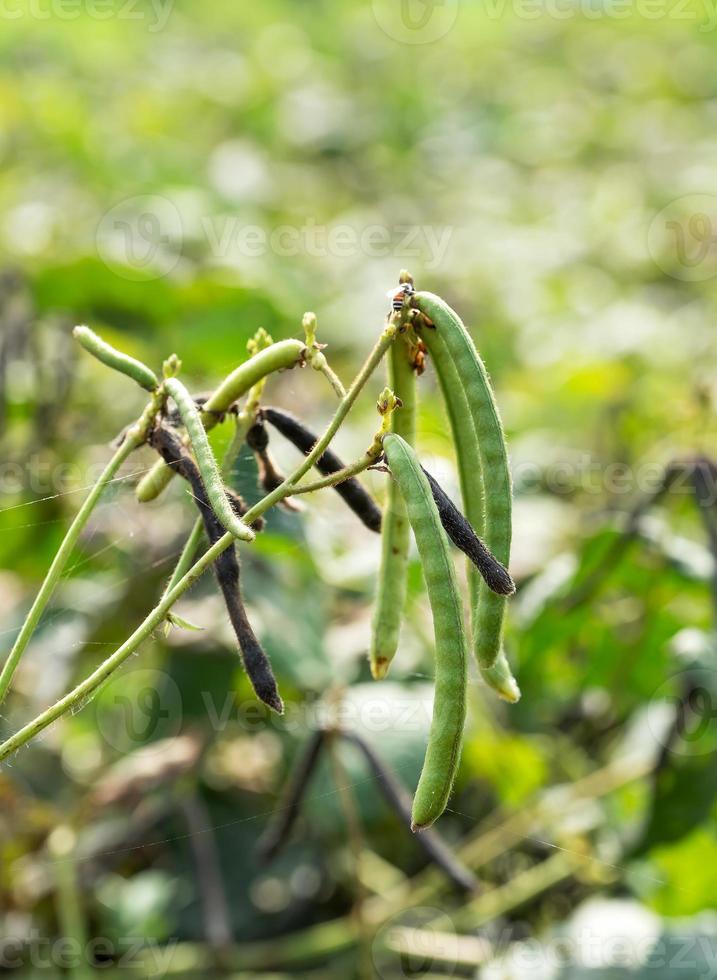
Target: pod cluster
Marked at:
421, 324
416, 501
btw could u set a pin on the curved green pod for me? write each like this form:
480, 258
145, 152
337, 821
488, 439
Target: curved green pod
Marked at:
115, 359
395, 530
498, 677
483, 470
211, 477
278, 357
154, 482
449, 705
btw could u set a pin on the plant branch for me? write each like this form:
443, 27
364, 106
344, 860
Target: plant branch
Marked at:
74, 698
134, 437
361, 464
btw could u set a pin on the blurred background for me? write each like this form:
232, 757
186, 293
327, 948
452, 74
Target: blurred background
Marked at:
178, 175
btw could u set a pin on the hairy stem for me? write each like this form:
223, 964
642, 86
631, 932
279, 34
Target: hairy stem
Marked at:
184, 563
369, 458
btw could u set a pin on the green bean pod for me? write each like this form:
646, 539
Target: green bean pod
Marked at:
500, 678
492, 459
115, 359
154, 482
449, 705
483, 471
211, 477
278, 357
395, 529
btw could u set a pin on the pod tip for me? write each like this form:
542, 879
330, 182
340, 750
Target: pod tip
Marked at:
379, 668
510, 692
507, 690
500, 679
274, 702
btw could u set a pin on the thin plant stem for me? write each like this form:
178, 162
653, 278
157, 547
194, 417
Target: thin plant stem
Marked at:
134, 438
184, 562
333, 380
368, 459
87, 688
84, 691
346, 403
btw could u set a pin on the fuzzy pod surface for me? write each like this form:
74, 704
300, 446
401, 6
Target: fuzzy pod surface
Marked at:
449, 705
278, 357
211, 477
464, 537
471, 405
115, 359
351, 491
392, 585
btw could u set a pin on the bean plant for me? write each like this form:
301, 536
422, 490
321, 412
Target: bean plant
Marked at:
419, 327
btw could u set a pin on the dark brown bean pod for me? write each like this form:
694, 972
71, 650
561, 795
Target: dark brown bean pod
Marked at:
351, 491
461, 533
704, 482
400, 801
226, 568
292, 796
258, 441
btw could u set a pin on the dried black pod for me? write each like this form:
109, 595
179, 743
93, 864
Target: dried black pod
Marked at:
351, 491
461, 533
226, 567
258, 441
